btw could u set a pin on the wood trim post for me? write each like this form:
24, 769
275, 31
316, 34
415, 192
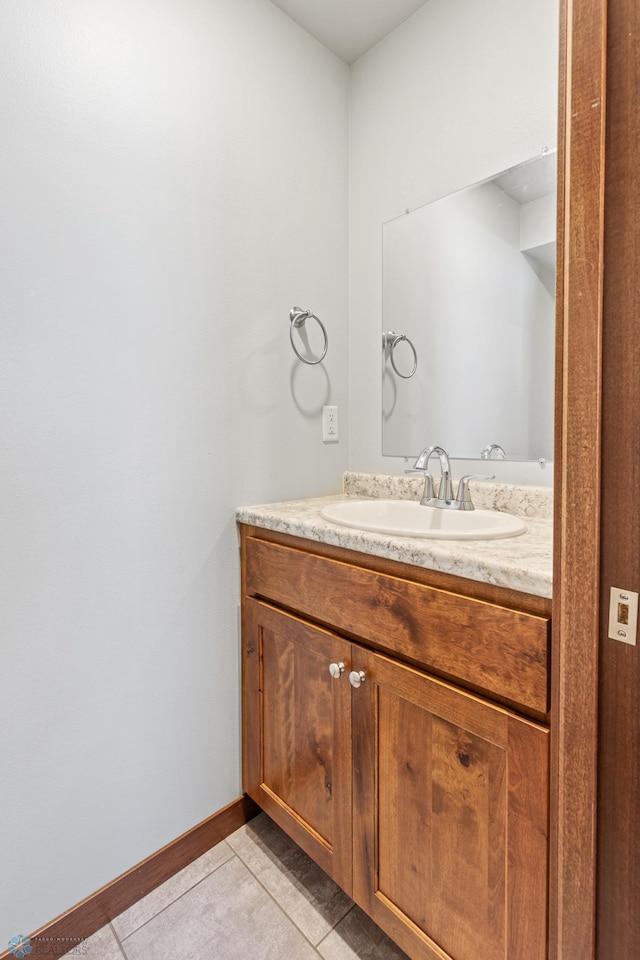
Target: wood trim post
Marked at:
618, 879
577, 481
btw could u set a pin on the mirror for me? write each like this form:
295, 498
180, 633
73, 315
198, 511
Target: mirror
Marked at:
468, 299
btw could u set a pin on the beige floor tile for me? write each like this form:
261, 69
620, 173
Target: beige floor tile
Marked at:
228, 916
162, 896
358, 938
306, 894
101, 946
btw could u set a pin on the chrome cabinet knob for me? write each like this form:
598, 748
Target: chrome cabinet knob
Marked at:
356, 678
336, 670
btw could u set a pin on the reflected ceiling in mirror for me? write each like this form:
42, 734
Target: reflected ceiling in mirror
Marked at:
469, 281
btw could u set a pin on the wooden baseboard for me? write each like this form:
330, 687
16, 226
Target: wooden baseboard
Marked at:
66, 931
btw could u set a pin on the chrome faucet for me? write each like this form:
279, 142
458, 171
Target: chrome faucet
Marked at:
443, 499
445, 489
444, 495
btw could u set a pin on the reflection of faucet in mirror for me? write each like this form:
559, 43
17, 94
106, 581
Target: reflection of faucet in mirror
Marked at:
444, 497
492, 451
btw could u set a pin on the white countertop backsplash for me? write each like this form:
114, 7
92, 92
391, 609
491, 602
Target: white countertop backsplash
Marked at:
520, 563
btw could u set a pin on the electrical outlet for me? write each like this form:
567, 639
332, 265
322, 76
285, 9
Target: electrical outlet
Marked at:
330, 425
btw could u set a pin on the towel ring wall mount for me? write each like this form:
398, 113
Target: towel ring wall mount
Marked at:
298, 318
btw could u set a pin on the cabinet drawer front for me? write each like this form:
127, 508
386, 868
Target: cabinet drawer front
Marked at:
493, 648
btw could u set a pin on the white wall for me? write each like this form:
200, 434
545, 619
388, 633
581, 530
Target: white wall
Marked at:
173, 181
457, 93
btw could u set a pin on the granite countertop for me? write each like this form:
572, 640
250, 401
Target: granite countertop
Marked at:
520, 563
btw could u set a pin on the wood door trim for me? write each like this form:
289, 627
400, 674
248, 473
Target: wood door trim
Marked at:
618, 880
574, 681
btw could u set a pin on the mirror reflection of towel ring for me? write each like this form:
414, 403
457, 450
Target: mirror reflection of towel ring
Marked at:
298, 318
391, 340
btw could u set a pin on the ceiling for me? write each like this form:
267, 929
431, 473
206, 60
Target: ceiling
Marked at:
349, 27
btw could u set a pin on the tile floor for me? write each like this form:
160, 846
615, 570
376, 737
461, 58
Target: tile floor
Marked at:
255, 896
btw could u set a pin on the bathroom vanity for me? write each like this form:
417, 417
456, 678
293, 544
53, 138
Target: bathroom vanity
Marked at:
396, 727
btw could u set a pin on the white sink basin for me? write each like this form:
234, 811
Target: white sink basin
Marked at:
407, 518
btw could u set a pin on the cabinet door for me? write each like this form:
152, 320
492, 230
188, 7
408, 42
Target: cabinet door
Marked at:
297, 733
450, 817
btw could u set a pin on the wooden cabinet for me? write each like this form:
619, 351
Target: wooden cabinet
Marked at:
426, 801
297, 733
450, 817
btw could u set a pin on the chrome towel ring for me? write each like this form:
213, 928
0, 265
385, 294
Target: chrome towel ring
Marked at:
298, 318
391, 340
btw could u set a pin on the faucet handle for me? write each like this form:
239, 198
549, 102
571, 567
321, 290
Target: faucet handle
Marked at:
428, 493
463, 497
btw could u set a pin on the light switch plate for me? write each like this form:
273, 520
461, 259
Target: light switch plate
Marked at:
623, 615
